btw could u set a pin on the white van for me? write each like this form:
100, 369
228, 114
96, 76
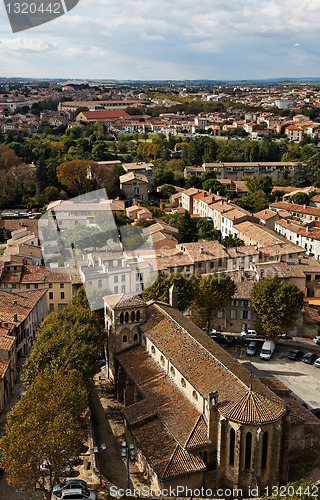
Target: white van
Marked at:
267, 350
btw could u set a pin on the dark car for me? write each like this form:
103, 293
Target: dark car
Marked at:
229, 340
72, 484
295, 354
316, 412
309, 358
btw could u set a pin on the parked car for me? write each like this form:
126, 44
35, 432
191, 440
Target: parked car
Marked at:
252, 348
316, 412
295, 354
316, 339
317, 363
229, 340
267, 350
249, 334
309, 358
78, 494
72, 484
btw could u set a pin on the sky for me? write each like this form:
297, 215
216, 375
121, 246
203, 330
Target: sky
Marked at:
169, 39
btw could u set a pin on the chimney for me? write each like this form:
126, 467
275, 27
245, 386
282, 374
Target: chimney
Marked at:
201, 250
173, 297
213, 399
15, 318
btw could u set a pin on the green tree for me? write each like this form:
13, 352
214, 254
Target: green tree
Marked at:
277, 304
193, 181
213, 294
187, 288
206, 231
300, 198
70, 339
51, 193
232, 241
215, 186
186, 226
46, 425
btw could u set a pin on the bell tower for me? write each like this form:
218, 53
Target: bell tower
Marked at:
123, 315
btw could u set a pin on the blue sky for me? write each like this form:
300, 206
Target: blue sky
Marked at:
162, 39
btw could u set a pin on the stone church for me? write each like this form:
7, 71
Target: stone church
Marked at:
198, 418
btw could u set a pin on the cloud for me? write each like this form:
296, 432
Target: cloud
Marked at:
180, 39
20, 44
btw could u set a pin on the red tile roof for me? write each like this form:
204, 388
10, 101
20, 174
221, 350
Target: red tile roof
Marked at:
206, 365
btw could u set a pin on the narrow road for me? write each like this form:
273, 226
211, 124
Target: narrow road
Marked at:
112, 466
109, 428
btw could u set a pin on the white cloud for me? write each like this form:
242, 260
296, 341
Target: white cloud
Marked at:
173, 39
24, 44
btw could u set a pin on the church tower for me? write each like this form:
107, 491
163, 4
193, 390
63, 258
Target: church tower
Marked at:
124, 313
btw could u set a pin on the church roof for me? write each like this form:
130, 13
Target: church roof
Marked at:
164, 415
208, 367
252, 407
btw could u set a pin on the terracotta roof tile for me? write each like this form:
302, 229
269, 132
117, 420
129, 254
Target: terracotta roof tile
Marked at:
202, 362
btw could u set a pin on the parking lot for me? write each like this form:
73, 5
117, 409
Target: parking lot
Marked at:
302, 379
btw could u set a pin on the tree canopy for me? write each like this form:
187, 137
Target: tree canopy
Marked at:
277, 304
70, 339
46, 425
187, 288
213, 293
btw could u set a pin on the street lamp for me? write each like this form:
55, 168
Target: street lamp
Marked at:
99, 449
128, 454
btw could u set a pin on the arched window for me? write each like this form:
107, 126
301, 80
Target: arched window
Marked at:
135, 337
124, 338
138, 316
183, 383
162, 360
121, 317
133, 316
172, 371
231, 446
126, 317
195, 395
247, 463
205, 457
153, 349
264, 451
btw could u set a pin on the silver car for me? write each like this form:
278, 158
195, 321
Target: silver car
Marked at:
317, 363
78, 494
